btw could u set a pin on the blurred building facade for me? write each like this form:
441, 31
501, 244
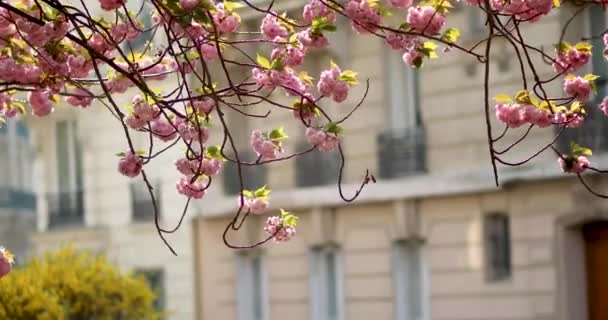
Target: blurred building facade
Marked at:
434, 239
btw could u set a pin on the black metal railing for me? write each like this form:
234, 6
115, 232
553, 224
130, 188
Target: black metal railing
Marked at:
402, 153
65, 208
316, 168
253, 176
142, 206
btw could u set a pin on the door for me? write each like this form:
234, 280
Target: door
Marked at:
596, 252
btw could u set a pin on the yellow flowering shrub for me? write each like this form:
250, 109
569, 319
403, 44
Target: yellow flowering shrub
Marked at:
74, 285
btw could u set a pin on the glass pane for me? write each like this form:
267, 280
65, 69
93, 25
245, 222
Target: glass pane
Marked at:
63, 160
258, 290
332, 286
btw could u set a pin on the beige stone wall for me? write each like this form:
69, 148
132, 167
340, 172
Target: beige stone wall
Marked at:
453, 254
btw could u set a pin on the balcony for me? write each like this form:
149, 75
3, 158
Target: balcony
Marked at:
142, 207
316, 168
17, 199
402, 153
65, 209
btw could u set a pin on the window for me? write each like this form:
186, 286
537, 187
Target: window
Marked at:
326, 295
251, 286
156, 280
142, 206
402, 92
409, 276
401, 148
595, 130
253, 176
66, 205
316, 168
143, 9
497, 245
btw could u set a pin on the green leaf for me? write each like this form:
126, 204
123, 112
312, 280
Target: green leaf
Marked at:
556, 3
329, 27
577, 150
349, 77
262, 193
591, 77
451, 35
20, 106
277, 134
418, 62
503, 98
583, 46
263, 62
248, 194
289, 219
215, 152
121, 154
333, 127
277, 64
230, 6
523, 97
140, 152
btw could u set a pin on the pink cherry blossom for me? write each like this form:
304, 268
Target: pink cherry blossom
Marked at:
78, 66
264, 147
317, 9
257, 205
163, 129
196, 189
574, 164
280, 232
211, 167
188, 5
323, 141
186, 167
329, 85
536, 116
271, 28
40, 102
130, 165
364, 17
6, 262
510, 114
225, 22
425, 19
290, 56
604, 106
189, 131
578, 88
80, 97
208, 51
204, 105
570, 60
310, 40
401, 3
111, 4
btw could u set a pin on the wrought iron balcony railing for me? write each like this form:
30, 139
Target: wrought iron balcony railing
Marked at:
402, 153
65, 208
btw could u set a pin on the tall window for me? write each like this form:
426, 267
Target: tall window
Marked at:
326, 295
69, 167
16, 160
143, 10
251, 286
497, 246
402, 93
156, 281
142, 206
409, 276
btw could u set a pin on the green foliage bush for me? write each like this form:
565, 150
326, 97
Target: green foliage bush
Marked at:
74, 285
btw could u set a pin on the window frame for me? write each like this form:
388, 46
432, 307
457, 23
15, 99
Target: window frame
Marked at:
497, 228
246, 283
318, 283
402, 279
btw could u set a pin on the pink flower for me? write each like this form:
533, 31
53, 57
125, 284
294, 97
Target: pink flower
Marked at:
276, 228
578, 87
604, 106
290, 57
80, 98
40, 102
425, 19
511, 115
258, 205
111, 4
78, 66
264, 147
204, 105
188, 131
329, 85
211, 167
570, 60
208, 51
188, 5
185, 166
271, 28
226, 23
539, 117
399, 41
401, 3
163, 129
574, 164
6, 262
322, 140
130, 165
196, 189
310, 40
364, 17
317, 9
